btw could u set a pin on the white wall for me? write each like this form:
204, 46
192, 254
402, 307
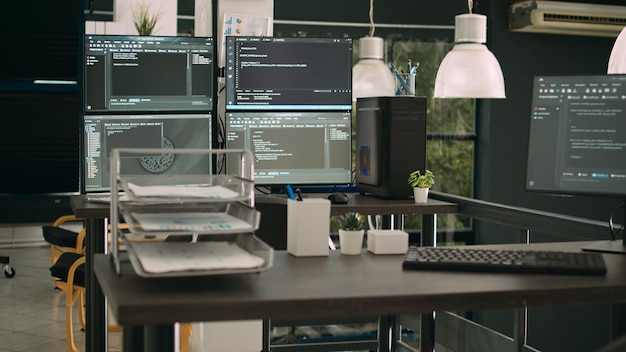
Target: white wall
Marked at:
123, 20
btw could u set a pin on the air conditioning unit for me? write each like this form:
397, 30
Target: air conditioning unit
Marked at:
538, 16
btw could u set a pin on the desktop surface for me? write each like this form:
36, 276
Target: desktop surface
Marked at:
340, 286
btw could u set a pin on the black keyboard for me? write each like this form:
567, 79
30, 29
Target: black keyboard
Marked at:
495, 260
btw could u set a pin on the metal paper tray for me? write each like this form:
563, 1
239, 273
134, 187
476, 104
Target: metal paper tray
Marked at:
147, 222
247, 242
173, 188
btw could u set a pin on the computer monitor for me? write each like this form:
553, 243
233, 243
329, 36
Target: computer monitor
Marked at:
577, 139
101, 133
125, 73
271, 73
297, 148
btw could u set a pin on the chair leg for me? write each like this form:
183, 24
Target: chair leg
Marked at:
71, 298
185, 333
81, 310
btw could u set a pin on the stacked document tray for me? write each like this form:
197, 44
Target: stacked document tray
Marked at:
187, 225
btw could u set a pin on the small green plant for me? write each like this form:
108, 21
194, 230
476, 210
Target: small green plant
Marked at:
416, 179
350, 222
144, 21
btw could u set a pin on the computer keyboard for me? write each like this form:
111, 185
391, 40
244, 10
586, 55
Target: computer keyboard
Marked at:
495, 260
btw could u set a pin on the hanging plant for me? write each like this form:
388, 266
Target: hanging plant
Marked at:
144, 21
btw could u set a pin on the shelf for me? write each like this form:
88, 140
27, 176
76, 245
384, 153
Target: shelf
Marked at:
236, 254
184, 219
186, 188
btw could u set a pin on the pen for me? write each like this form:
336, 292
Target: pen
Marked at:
298, 195
399, 78
290, 193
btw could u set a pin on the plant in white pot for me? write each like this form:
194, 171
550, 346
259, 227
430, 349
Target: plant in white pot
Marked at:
421, 183
351, 231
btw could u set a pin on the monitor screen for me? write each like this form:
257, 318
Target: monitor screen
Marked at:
295, 148
577, 140
148, 73
101, 133
271, 73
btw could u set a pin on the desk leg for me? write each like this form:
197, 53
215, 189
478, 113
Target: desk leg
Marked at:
159, 338
429, 230
132, 338
95, 310
618, 320
428, 238
427, 332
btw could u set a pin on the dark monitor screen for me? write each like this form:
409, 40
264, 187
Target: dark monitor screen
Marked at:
102, 133
148, 73
271, 73
577, 140
296, 148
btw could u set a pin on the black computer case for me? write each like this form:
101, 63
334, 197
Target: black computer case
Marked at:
390, 144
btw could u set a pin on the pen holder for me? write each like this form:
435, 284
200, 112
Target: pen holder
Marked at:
405, 81
308, 227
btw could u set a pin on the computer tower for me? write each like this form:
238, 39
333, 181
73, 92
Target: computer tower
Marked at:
390, 144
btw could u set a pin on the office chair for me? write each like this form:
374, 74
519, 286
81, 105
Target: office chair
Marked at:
70, 269
63, 240
8, 271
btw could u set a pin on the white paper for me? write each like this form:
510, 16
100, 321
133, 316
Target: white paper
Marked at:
177, 257
213, 192
196, 222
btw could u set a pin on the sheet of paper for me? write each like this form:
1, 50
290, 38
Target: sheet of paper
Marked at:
175, 257
197, 222
212, 192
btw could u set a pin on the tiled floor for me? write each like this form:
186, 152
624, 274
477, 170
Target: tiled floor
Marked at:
32, 311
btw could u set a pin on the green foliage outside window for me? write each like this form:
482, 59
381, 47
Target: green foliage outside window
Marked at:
450, 126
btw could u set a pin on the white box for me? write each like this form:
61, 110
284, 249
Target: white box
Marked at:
387, 241
308, 227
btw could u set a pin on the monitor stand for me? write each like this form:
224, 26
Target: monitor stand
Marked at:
616, 246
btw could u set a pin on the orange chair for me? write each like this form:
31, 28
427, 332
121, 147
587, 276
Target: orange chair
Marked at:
69, 269
63, 240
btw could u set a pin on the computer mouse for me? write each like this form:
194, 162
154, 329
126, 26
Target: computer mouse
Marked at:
338, 198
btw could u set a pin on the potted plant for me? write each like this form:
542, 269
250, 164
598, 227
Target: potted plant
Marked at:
421, 183
351, 231
144, 21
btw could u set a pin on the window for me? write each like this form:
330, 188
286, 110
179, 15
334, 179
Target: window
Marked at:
451, 132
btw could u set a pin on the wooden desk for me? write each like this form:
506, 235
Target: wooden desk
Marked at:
95, 214
341, 287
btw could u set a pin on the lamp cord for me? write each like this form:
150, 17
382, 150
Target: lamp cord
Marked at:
470, 5
372, 27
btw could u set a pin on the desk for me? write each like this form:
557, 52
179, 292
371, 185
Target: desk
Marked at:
96, 213
95, 242
344, 286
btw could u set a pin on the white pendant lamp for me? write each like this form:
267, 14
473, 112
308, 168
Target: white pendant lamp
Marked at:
370, 76
617, 61
470, 70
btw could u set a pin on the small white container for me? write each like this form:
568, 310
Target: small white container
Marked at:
387, 241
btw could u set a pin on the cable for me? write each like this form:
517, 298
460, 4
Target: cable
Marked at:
372, 26
611, 225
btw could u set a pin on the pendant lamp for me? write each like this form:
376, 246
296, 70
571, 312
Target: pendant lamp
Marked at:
371, 77
470, 70
617, 61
